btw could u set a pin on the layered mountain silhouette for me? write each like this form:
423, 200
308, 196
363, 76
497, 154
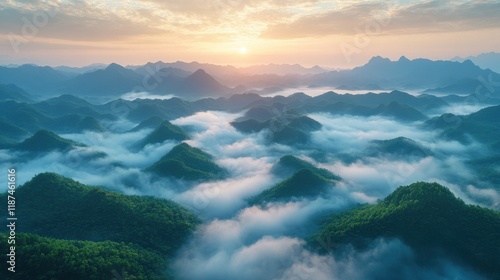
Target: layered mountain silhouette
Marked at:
13, 92
400, 148
429, 218
187, 163
382, 73
150, 123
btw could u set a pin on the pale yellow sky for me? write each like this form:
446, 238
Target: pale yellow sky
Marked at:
338, 34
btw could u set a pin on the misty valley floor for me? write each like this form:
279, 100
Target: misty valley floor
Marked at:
250, 186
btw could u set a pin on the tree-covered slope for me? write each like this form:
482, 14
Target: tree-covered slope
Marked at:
44, 141
165, 131
429, 218
287, 165
54, 206
40, 257
188, 163
304, 183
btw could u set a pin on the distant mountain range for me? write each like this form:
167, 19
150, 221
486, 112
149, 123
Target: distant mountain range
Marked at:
196, 80
489, 60
418, 74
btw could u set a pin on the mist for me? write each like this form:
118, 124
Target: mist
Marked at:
237, 240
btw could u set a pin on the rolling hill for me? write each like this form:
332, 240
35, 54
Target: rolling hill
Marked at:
187, 163
429, 218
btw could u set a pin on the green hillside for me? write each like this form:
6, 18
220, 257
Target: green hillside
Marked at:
44, 141
165, 131
189, 163
54, 206
48, 258
428, 217
287, 165
304, 183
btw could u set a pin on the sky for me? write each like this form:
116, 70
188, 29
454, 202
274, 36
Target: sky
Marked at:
337, 34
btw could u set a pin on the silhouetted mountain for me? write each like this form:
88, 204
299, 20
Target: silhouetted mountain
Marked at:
37, 80
165, 131
200, 84
281, 69
114, 80
152, 122
429, 218
398, 148
45, 141
304, 183
381, 73
489, 60
13, 92
288, 165
188, 163
81, 70
10, 134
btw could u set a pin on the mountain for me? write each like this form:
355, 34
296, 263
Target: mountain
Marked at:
67, 104
398, 148
429, 218
382, 73
10, 134
54, 206
281, 69
480, 126
152, 122
38, 80
303, 183
288, 165
165, 131
489, 60
188, 163
200, 84
289, 127
81, 70
45, 141
114, 80
13, 92
74, 259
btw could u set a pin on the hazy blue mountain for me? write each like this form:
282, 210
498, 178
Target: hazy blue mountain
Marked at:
187, 163
200, 84
114, 80
37, 80
13, 92
10, 134
165, 131
288, 165
429, 218
150, 123
303, 183
480, 126
289, 127
382, 73
489, 60
46, 141
400, 148
67, 105
81, 70
25, 116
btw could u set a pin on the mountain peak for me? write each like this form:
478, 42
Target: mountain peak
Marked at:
403, 59
378, 59
114, 66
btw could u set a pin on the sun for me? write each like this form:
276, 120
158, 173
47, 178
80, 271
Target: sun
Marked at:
243, 50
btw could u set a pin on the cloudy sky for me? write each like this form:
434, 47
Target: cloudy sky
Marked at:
343, 33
